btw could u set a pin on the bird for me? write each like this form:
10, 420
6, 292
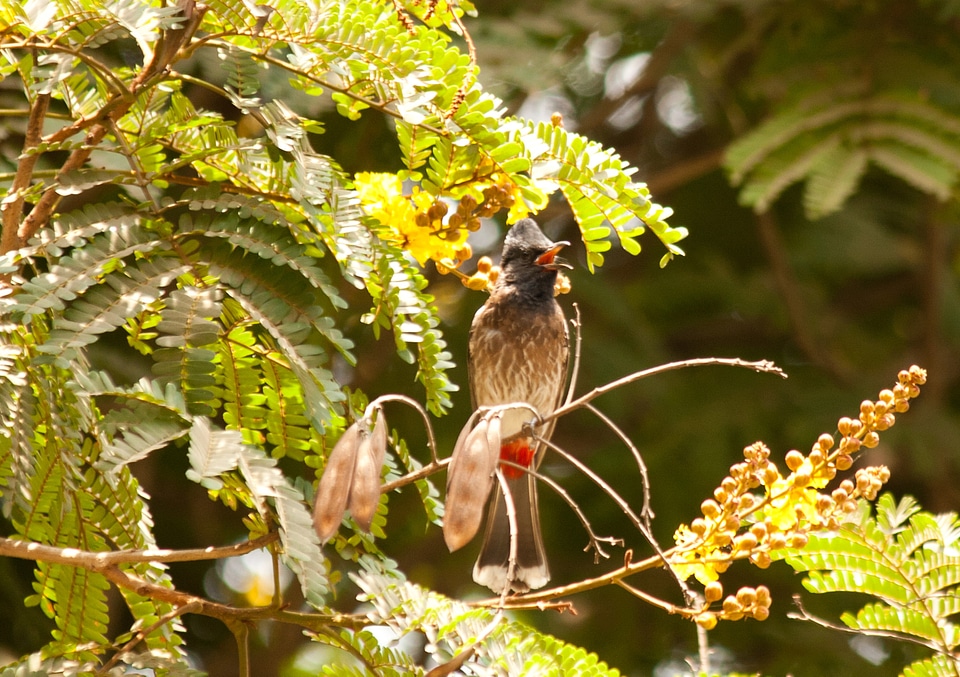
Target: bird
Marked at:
518, 351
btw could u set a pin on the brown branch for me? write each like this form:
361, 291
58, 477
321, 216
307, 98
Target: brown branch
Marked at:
533, 600
95, 561
642, 525
411, 477
594, 540
108, 565
646, 512
12, 206
143, 633
789, 289
684, 171
803, 615
98, 124
762, 366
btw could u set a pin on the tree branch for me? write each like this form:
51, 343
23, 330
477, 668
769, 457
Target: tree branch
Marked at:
789, 288
761, 366
96, 561
12, 205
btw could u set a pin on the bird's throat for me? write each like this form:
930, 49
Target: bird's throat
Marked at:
519, 452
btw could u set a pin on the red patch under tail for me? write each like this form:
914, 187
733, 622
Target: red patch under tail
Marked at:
519, 452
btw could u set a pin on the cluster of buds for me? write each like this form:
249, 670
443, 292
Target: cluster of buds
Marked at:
739, 523
452, 229
485, 277
747, 603
351, 476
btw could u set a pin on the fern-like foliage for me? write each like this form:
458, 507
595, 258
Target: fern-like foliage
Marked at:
908, 561
836, 109
224, 253
829, 144
495, 645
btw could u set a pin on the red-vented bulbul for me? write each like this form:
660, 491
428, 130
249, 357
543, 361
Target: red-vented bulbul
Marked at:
518, 352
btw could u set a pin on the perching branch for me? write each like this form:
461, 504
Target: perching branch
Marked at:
764, 366
108, 565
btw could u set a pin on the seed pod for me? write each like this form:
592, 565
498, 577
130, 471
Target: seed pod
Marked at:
334, 488
469, 481
365, 489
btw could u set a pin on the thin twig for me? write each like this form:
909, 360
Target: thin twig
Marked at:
703, 650
651, 600
804, 615
144, 633
599, 481
130, 155
594, 540
641, 526
577, 345
646, 512
412, 477
764, 366
514, 533
241, 631
410, 402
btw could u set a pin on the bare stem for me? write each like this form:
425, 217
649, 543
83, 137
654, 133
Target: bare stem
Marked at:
410, 402
411, 477
144, 633
577, 344
595, 541
646, 512
764, 366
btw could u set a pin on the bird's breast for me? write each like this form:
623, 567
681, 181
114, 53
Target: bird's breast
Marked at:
518, 356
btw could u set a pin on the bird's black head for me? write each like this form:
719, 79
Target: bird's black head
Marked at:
530, 259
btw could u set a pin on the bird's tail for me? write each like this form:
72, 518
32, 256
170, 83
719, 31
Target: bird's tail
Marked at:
493, 565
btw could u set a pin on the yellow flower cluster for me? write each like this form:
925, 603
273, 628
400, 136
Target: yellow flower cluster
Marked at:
415, 221
747, 603
421, 223
738, 523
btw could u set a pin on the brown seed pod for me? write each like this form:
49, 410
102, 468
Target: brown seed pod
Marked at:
334, 488
365, 488
470, 478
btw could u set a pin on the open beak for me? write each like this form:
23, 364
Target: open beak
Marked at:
549, 258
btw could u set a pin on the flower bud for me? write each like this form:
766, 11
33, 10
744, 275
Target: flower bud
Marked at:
465, 252
710, 509
713, 592
476, 282
746, 596
794, 459
706, 620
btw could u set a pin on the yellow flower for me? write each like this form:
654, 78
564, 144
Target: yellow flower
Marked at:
789, 503
381, 197
519, 209
691, 563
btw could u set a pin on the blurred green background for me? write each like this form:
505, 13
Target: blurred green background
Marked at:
841, 302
